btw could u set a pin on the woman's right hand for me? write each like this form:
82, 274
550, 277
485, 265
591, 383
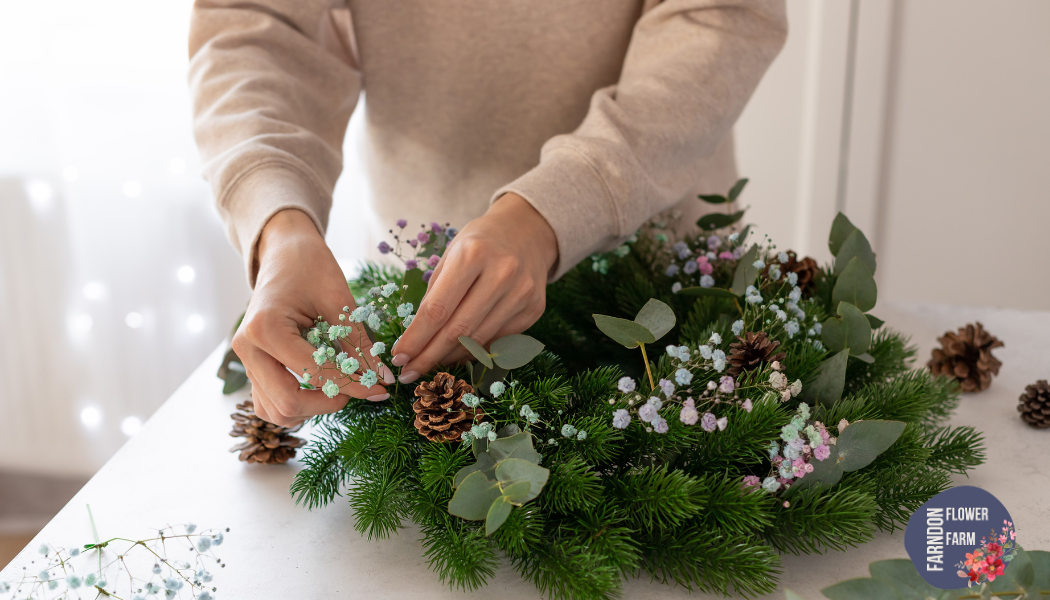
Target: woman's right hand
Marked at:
298, 280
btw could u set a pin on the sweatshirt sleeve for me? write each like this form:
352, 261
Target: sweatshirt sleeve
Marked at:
273, 85
690, 68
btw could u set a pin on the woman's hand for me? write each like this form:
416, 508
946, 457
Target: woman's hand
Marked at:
298, 280
490, 283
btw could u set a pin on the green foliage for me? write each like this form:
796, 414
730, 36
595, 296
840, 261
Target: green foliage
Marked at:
620, 503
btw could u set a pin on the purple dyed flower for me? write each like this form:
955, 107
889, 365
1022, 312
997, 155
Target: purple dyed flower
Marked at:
707, 281
402, 223
647, 412
413, 242
433, 260
427, 275
411, 264
384, 248
708, 422
690, 267
438, 229
621, 418
423, 237
672, 270
726, 385
667, 387
713, 242
659, 424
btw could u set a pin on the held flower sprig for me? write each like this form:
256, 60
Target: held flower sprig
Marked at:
649, 325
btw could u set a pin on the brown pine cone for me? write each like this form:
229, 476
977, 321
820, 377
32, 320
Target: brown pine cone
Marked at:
441, 415
807, 269
750, 351
1035, 405
265, 442
966, 355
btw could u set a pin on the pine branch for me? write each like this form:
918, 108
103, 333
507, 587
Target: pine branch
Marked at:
901, 490
522, 530
459, 553
564, 570
572, 486
379, 501
319, 481
729, 507
955, 450
656, 497
819, 519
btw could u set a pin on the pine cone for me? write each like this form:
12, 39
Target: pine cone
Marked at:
750, 352
966, 355
1035, 404
806, 269
441, 415
266, 442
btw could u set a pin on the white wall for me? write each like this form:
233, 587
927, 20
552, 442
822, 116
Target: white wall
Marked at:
944, 161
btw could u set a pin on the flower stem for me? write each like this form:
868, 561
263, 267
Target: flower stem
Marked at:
645, 358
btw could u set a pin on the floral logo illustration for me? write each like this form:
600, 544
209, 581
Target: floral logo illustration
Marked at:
988, 562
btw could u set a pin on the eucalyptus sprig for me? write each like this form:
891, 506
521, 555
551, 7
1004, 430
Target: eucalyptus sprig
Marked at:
649, 325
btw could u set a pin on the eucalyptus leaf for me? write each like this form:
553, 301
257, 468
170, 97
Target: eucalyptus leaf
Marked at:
657, 317
875, 322
497, 514
1021, 574
479, 446
624, 332
473, 497
856, 286
477, 350
826, 384
840, 230
825, 472
508, 430
518, 445
745, 271
855, 246
235, 380
901, 575
863, 441
738, 187
714, 221
702, 291
1041, 565
861, 589
790, 595
866, 358
416, 289
713, 198
513, 470
517, 492
485, 465
514, 351
849, 331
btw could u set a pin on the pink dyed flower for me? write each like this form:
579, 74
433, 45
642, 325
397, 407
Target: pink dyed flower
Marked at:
726, 256
689, 414
726, 385
747, 405
752, 482
706, 268
722, 423
822, 452
433, 261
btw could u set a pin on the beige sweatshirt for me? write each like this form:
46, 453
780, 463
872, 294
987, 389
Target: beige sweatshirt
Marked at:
600, 113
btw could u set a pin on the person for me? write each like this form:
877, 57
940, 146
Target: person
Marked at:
551, 128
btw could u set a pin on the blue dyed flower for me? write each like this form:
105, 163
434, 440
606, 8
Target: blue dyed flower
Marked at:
738, 327
378, 348
405, 309
706, 281
770, 484
369, 378
349, 366
330, 389
568, 431
683, 377
671, 270
497, 388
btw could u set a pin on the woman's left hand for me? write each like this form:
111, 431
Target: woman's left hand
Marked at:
491, 282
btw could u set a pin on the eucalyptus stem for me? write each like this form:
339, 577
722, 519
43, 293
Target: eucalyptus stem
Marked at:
645, 358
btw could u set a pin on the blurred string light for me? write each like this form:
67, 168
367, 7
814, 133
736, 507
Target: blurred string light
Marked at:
132, 189
186, 274
133, 320
195, 323
41, 195
131, 425
91, 417
79, 324
94, 291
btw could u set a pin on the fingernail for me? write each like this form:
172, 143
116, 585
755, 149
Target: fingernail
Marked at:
408, 376
386, 374
400, 360
378, 397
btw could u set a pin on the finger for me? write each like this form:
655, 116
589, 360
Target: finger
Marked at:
479, 301
440, 303
282, 388
358, 345
264, 406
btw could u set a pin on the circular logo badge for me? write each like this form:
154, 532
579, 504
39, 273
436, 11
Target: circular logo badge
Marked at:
963, 536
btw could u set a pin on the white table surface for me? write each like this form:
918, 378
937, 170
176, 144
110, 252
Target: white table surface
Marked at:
278, 550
